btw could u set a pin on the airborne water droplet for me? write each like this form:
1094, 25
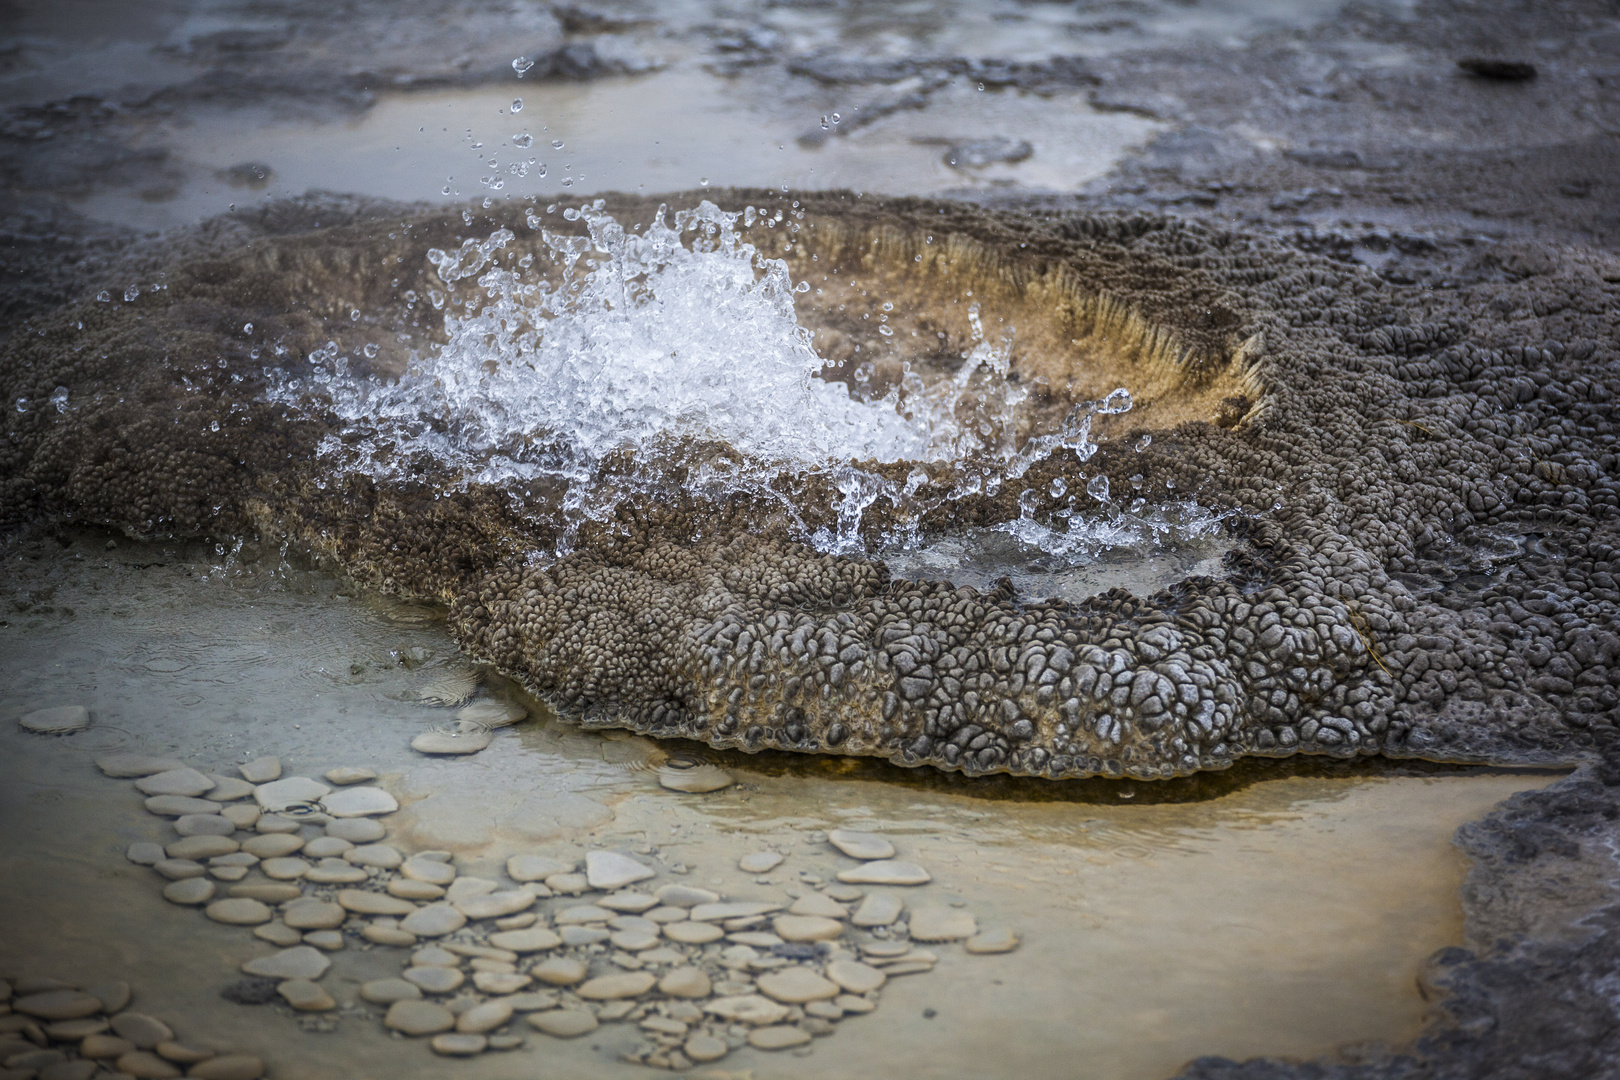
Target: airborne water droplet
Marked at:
704, 180
522, 65
517, 104
247, 328
1058, 487
523, 138
1143, 443
1097, 488
131, 293
370, 350
556, 144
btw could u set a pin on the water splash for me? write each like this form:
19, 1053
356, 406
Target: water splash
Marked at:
678, 348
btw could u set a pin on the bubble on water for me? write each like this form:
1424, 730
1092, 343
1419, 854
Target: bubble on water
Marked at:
522, 65
1143, 443
247, 328
524, 139
131, 293
517, 104
1097, 488
104, 296
1058, 488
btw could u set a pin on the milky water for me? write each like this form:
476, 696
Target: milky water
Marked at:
1276, 909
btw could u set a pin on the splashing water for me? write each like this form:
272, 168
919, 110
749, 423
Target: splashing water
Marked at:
662, 349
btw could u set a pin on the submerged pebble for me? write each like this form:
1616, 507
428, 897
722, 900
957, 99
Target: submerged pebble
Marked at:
411, 1017
860, 845
992, 941
60, 720
260, 770
933, 922
468, 741
563, 1023
359, 802
183, 781
885, 872
130, 766
696, 779
611, 870
348, 774
759, 862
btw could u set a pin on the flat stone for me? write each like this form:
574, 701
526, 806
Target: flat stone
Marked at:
276, 823
806, 928
736, 909
284, 869
434, 920
854, 976
705, 1048
201, 847
57, 1004
130, 766
816, 904
266, 892
407, 889
326, 940
759, 939
260, 770
356, 830
747, 1009
145, 853
179, 805
613, 987
182, 1054
306, 996
498, 982
878, 909
568, 884
203, 825
309, 913
278, 934
759, 862
610, 870
563, 1023
279, 795
777, 1037
696, 780
189, 891
61, 720
664, 914
859, 1006
97, 1047
459, 1045
580, 936
581, 913
685, 896
298, 962
860, 845
435, 980
796, 985
238, 911
419, 1018
444, 742
348, 774
179, 869
365, 902
844, 894
228, 1067
522, 868
991, 941
491, 713
634, 940
885, 872
185, 782
359, 802
517, 922
485, 1017
327, 847
693, 933
433, 956
382, 856
114, 995
431, 871
388, 991
146, 1066
885, 949
273, 845
559, 970
228, 789
384, 934
142, 1030
633, 902
685, 982
494, 905
935, 922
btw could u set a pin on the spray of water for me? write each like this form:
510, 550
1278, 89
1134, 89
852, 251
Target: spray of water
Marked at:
678, 346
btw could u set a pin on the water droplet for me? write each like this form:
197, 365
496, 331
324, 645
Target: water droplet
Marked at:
354, 315
886, 331
104, 296
556, 144
888, 305
517, 104
571, 214
213, 425
836, 118
1143, 443
826, 125
1136, 481
370, 350
703, 180
131, 293
523, 138
522, 65
1097, 488
247, 328
1119, 401
22, 404
1058, 488
59, 398
542, 169
445, 190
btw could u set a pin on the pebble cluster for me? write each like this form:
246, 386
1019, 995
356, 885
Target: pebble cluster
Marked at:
56, 1030
556, 946
1424, 486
